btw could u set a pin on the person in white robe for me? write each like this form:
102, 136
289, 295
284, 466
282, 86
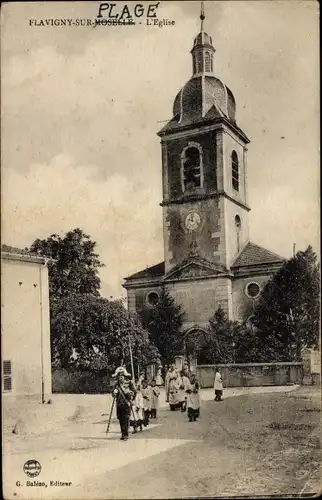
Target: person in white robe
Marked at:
218, 386
140, 379
146, 393
168, 377
155, 393
183, 383
138, 407
193, 399
174, 384
159, 379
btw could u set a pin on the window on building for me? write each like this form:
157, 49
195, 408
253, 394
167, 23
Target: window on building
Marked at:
207, 61
191, 168
252, 290
7, 376
152, 298
238, 226
235, 171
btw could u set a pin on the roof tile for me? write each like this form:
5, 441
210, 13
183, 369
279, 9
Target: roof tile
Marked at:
149, 272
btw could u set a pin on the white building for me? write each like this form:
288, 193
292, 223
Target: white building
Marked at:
25, 325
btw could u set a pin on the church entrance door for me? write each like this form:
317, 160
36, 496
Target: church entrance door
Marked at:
195, 346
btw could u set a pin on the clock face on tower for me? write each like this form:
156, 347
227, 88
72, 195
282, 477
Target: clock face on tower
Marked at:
192, 221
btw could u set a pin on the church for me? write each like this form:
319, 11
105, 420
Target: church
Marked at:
209, 259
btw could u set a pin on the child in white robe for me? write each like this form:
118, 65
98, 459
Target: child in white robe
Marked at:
146, 393
193, 399
137, 411
155, 393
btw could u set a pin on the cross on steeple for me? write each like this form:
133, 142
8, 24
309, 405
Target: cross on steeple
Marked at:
203, 50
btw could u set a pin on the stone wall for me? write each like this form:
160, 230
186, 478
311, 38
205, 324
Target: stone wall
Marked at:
201, 298
80, 382
244, 306
231, 143
209, 234
173, 165
235, 239
312, 366
139, 297
252, 374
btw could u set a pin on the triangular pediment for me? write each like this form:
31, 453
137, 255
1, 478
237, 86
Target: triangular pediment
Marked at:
193, 269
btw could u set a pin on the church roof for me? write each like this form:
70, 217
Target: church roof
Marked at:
199, 95
202, 40
196, 258
149, 272
211, 117
252, 255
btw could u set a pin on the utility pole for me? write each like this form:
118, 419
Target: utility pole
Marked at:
294, 246
133, 323
131, 358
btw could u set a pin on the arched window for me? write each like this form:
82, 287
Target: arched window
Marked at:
235, 171
191, 172
207, 61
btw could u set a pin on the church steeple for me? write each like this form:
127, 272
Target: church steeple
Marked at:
203, 50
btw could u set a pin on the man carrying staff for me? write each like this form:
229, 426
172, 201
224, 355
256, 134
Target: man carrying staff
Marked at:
124, 392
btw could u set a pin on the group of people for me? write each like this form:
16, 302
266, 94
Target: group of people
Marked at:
137, 403
182, 391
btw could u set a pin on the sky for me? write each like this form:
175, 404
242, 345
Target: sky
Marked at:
81, 107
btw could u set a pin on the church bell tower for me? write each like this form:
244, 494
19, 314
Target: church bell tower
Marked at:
204, 168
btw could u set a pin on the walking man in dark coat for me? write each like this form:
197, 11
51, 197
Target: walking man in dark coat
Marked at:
124, 392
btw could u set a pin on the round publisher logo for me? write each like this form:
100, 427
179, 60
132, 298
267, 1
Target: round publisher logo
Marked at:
32, 468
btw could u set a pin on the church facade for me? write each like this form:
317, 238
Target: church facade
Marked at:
209, 260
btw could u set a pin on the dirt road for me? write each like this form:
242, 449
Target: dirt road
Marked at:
245, 445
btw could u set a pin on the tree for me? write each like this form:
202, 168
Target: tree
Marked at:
74, 264
225, 341
91, 332
220, 345
164, 322
87, 331
288, 312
